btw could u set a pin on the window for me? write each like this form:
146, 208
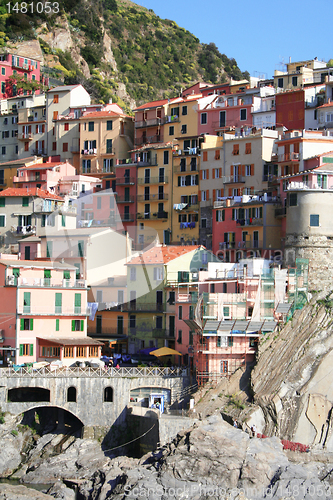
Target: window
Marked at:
108, 395
77, 303
81, 351
159, 322
133, 274
3, 150
314, 220
3, 71
280, 83
2, 199
26, 302
247, 170
158, 273
235, 150
71, 395
80, 248
217, 154
2, 221
109, 125
55, 99
166, 157
180, 337
204, 223
58, 303
293, 199
220, 215
65, 147
91, 126
49, 248
99, 296
77, 325
184, 110
26, 349
57, 325
294, 81
66, 126
68, 352
184, 129
86, 166
203, 118
25, 201
216, 173
27, 324
54, 146
203, 196
221, 342
243, 114
109, 146
3, 87
171, 130
248, 148
93, 351
132, 322
180, 312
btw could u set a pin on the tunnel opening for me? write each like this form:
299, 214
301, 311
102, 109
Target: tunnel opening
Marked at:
53, 420
28, 395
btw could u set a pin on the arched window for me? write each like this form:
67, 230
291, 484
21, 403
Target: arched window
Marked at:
108, 394
71, 394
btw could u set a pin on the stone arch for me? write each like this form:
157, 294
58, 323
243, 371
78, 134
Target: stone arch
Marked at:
108, 394
52, 415
71, 394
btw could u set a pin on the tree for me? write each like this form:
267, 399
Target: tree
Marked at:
22, 85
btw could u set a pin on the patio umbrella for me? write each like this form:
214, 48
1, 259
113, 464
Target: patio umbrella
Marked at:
165, 351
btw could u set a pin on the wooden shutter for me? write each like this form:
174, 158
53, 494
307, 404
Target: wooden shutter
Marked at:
223, 215
231, 170
252, 169
31, 324
204, 156
200, 173
77, 300
73, 325
22, 324
199, 196
213, 173
220, 173
260, 212
36, 129
21, 349
242, 170
82, 325
43, 129
230, 192
57, 325
214, 194
207, 194
31, 349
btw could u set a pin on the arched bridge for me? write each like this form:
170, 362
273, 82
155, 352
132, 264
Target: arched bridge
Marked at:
97, 397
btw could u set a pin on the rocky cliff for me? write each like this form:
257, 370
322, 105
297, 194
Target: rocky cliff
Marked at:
292, 381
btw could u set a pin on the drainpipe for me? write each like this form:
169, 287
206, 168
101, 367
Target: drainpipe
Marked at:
17, 323
224, 188
171, 204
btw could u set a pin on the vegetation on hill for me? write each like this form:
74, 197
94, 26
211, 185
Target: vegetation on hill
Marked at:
155, 57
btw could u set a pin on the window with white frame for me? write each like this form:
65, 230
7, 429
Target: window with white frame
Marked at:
193, 180
218, 194
133, 274
204, 175
99, 296
217, 173
158, 273
247, 170
203, 196
183, 180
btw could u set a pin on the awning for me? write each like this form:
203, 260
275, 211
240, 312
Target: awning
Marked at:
71, 341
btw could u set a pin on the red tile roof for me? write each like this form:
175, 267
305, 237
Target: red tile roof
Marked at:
41, 165
39, 193
155, 104
102, 114
162, 254
326, 105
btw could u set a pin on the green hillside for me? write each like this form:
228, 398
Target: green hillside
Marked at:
155, 57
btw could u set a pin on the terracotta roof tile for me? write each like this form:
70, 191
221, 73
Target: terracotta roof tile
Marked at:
39, 193
42, 165
155, 104
103, 114
162, 254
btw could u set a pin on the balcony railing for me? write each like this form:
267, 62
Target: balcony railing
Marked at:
162, 179
228, 245
40, 310
126, 217
25, 66
135, 306
106, 330
152, 216
303, 185
188, 169
39, 151
187, 152
109, 151
153, 197
124, 199
234, 179
288, 157
125, 181
280, 212
148, 123
148, 140
44, 282
23, 230
250, 222
89, 152
24, 137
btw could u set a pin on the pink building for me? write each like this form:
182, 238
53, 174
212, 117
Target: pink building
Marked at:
11, 64
45, 176
44, 311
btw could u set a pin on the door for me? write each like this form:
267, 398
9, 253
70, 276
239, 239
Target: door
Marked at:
171, 326
166, 237
222, 118
120, 325
27, 253
255, 239
159, 299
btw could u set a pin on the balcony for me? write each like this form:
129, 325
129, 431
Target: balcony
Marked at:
124, 199
153, 180
125, 181
163, 333
109, 151
187, 152
140, 307
189, 169
25, 137
282, 158
23, 230
153, 197
39, 151
148, 123
234, 179
250, 222
229, 245
40, 310
152, 216
305, 186
148, 140
126, 217
89, 152
280, 212
26, 67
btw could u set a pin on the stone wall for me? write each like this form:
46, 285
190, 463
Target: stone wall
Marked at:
319, 250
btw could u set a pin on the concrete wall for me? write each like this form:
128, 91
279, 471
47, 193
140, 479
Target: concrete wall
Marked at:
90, 407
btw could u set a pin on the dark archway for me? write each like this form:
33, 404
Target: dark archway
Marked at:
71, 395
108, 395
28, 395
53, 419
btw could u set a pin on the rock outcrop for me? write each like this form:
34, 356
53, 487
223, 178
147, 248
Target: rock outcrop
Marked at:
293, 379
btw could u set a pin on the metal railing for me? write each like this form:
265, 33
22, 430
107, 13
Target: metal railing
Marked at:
153, 180
288, 157
250, 222
152, 216
49, 311
148, 123
45, 282
93, 372
134, 306
125, 181
152, 197
124, 199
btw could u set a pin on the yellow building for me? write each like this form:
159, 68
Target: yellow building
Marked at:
8, 170
106, 137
